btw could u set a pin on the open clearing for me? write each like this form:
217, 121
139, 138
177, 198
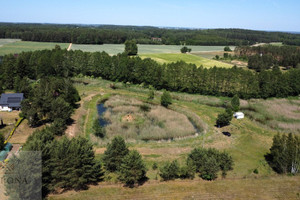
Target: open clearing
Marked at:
189, 58
7, 41
114, 49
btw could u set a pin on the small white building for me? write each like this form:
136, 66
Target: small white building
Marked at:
239, 115
9, 102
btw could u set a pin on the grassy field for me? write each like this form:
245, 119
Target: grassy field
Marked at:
281, 188
7, 41
19, 46
189, 58
248, 144
144, 49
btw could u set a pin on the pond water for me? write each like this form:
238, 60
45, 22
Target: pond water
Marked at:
101, 110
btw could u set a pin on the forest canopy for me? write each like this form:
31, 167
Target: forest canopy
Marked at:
113, 34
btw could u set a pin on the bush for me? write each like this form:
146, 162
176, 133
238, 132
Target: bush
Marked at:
151, 94
132, 169
154, 166
255, 171
185, 49
145, 107
98, 130
208, 162
170, 171
227, 48
224, 118
166, 99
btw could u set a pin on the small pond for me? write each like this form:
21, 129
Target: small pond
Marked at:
101, 110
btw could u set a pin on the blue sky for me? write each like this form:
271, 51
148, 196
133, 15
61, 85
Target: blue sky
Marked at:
282, 15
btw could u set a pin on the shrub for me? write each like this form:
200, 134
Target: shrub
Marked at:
154, 166
227, 48
170, 171
224, 118
208, 162
151, 94
185, 49
166, 99
145, 107
98, 130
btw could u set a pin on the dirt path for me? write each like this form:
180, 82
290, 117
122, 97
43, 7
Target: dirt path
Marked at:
74, 127
70, 46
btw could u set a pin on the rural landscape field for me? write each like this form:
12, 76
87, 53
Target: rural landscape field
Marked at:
165, 108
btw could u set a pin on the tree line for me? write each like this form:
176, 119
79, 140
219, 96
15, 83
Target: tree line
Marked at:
266, 56
179, 76
112, 34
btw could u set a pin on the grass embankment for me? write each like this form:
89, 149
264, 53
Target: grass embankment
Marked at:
188, 58
20, 46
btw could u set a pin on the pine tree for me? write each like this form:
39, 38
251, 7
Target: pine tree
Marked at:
132, 169
114, 154
235, 103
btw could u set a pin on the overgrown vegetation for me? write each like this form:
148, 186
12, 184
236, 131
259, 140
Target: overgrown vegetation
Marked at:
66, 164
284, 156
267, 56
134, 119
50, 100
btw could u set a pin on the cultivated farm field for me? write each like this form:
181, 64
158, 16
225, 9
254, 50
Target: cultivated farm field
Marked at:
188, 58
114, 49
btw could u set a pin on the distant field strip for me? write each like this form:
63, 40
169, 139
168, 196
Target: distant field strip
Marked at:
197, 60
144, 49
19, 46
7, 41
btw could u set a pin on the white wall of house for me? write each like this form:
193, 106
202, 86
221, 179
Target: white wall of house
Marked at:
5, 108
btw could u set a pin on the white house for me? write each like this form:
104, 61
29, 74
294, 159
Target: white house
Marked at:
239, 115
9, 102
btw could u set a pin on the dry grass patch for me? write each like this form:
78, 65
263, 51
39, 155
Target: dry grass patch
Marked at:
128, 119
278, 114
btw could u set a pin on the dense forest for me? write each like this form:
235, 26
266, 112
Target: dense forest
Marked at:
112, 34
179, 76
264, 57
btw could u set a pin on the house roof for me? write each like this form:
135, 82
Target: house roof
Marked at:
12, 100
